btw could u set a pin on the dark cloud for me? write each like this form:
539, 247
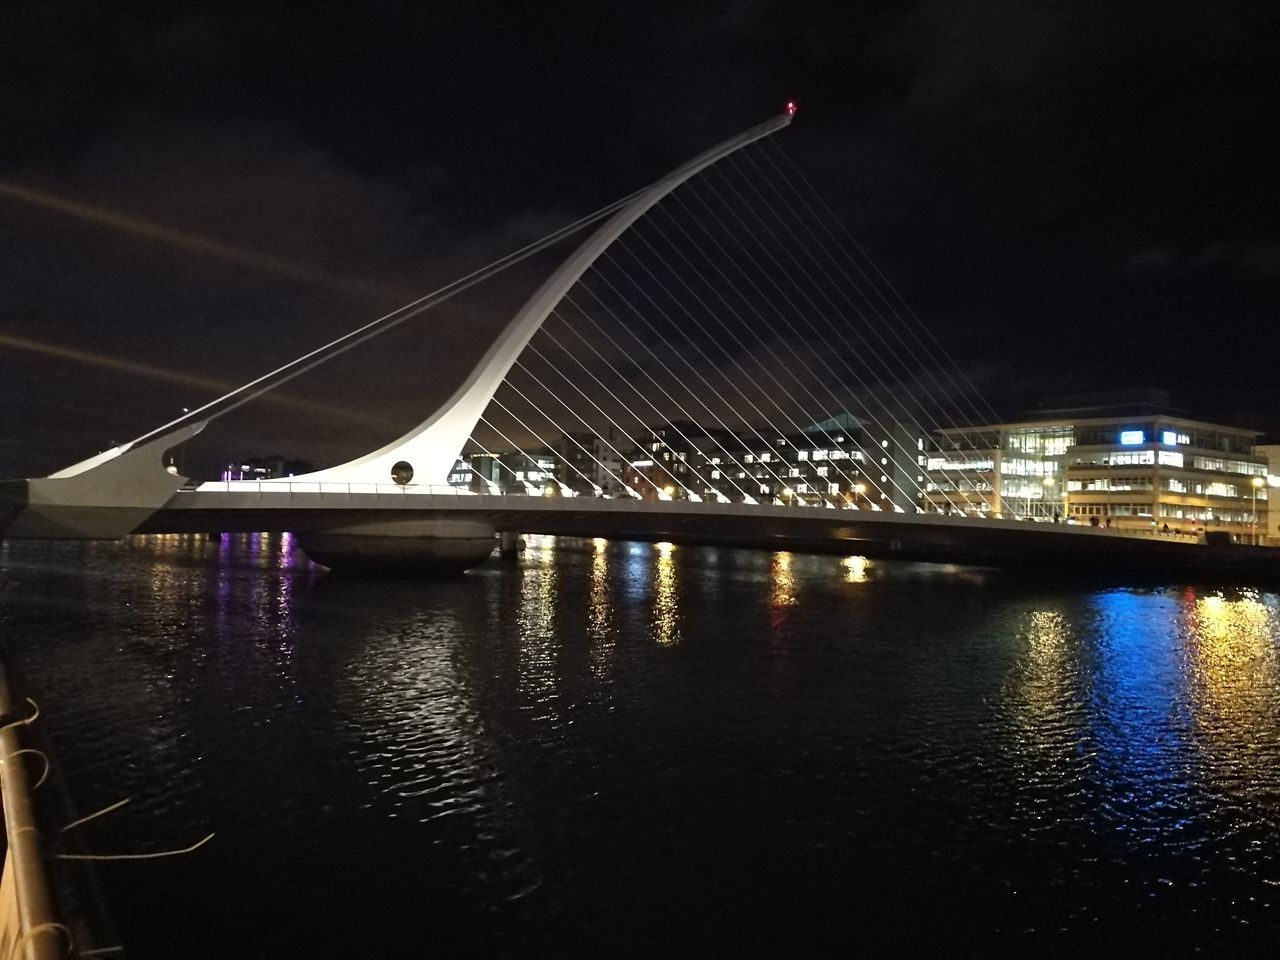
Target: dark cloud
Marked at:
1062, 189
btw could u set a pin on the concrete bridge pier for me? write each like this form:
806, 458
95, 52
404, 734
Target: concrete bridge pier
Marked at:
509, 546
401, 548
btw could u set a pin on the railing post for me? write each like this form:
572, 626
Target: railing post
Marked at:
41, 933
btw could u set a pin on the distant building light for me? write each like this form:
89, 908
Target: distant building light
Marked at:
1132, 438
1169, 438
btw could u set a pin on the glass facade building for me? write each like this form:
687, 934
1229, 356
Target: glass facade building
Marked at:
1135, 470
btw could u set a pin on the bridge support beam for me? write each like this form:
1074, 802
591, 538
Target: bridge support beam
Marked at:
401, 548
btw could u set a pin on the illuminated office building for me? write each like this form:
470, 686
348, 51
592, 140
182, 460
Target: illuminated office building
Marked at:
1269, 520
1124, 461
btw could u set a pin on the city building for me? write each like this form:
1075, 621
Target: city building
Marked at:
1269, 520
590, 463
1120, 460
510, 471
838, 460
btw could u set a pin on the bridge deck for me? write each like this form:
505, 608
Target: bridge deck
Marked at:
954, 539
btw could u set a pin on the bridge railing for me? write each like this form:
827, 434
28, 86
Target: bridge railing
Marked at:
345, 489
421, 489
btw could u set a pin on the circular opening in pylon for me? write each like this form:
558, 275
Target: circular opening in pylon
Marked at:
402, 472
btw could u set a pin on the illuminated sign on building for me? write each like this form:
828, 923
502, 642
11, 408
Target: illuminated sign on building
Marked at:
1131, 438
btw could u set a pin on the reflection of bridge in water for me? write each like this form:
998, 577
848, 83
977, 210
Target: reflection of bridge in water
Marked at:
721, 307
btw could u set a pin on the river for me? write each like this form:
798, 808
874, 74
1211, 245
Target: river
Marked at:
619, 749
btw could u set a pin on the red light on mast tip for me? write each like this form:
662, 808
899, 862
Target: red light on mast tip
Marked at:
791, 108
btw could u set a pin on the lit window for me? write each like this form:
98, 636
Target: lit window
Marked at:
803, 455
1131, 438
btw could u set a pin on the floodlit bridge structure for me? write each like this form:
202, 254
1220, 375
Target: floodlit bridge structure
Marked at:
393, 508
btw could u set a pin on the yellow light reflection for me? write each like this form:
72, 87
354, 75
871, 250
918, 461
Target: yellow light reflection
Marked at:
1233, 675
783, 582
600, 610
855, 569
539, 590
1045, 703
666, 605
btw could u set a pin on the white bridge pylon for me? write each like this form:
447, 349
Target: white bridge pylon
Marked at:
432, 447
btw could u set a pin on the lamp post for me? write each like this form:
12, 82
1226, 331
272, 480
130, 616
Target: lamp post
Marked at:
1257, 485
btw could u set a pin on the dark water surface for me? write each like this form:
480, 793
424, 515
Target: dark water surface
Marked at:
633, 750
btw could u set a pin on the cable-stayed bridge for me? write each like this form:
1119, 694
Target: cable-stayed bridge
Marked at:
718, 361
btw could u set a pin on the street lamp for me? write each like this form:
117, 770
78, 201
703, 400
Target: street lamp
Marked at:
1257, 485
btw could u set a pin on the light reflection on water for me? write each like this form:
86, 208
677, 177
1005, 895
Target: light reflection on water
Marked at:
600, 613
855, 569
1232, 677
783, 592
666, 596
543, 749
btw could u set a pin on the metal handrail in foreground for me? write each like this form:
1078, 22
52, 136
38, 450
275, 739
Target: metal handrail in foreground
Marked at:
31, 926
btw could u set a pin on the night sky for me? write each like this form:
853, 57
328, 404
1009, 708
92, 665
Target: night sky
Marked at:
1073, 195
